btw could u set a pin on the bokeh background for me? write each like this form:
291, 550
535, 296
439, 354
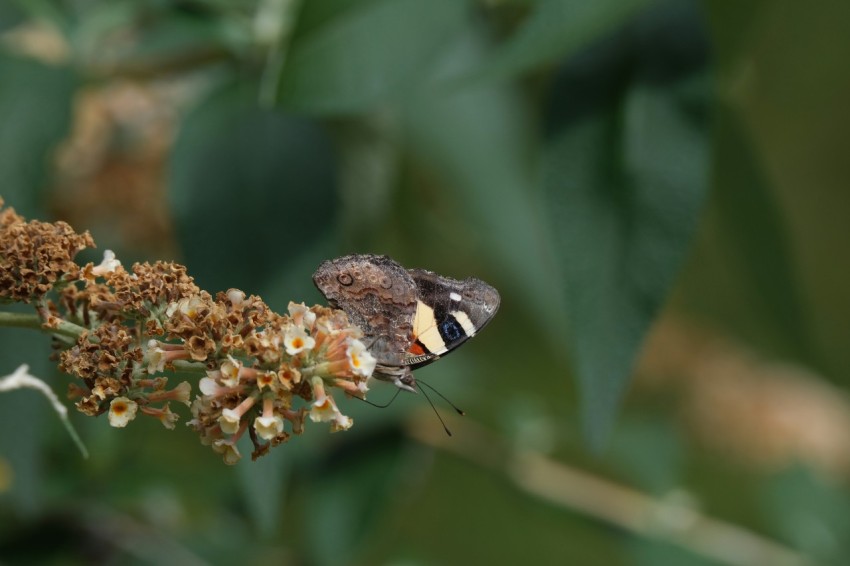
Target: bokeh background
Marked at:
658, 188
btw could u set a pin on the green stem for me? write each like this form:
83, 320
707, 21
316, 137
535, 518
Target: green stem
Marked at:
189, 367
65, 329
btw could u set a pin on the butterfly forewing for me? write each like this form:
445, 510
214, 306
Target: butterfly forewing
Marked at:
456, 311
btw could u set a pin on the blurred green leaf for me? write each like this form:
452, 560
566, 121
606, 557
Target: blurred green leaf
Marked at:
785, 90
351, 56
649, 552
557, 29
347, 495
264, 483
251, 189
649, 453
10, 15
141, 39
625, 187
748, 227
811, 514
35, 110
461, 514
478, 140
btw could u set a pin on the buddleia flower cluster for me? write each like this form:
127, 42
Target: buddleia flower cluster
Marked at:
125, 334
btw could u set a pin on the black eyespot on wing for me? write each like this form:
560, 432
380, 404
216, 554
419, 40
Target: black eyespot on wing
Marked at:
451, 330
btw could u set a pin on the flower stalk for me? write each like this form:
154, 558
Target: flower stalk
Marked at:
122, 335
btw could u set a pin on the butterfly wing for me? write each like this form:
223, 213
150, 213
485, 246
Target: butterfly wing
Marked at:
452, 314
378, 295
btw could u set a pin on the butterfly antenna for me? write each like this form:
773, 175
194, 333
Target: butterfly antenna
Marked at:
436, 412
385, 405
443, 397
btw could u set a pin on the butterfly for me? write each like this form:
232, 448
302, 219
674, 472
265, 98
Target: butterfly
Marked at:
410, 317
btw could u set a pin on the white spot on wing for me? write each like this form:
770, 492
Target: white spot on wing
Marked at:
454, 296
464, 321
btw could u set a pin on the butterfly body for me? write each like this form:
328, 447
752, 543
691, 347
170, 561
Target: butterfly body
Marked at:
410, 317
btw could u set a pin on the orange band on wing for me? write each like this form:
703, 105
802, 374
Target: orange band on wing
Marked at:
416, 349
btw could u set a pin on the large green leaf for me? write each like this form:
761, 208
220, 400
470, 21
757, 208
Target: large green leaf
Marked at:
347, 493
556, 29
354, 57
477, 139
264, 484
35, 113
10, 15
252, 190
811, 514
782, 70
625, 185
754, 285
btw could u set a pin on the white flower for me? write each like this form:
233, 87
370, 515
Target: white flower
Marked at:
266, 379
341, 422
121, 411
182, 393
171, 309
236, 297
361, 361
108, 265
230, 371
208, 386
165, 416
268, 427
296, 340
228, 450
187, 305
363, 387
156, 357
229, 421
324, 409
301, 315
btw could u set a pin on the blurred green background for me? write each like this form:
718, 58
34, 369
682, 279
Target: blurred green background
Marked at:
657, 188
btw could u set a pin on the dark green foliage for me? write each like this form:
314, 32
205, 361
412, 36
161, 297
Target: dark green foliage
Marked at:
603, 164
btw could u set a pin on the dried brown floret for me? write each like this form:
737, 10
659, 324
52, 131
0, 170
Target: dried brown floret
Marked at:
35, 256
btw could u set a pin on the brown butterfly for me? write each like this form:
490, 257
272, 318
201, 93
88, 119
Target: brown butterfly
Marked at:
410, 317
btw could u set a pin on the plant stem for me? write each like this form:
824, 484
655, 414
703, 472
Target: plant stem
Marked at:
20, 320
189, 367
620, 506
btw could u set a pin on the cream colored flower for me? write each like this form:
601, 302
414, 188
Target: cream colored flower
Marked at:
109, 264
228, 450
324, 409
187, 305
296, 340
182, 393
301, 315
156, 357
229, 421
341, 422
230, 372
208, 386
121, 411
361, 361
236, 297
268, 427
